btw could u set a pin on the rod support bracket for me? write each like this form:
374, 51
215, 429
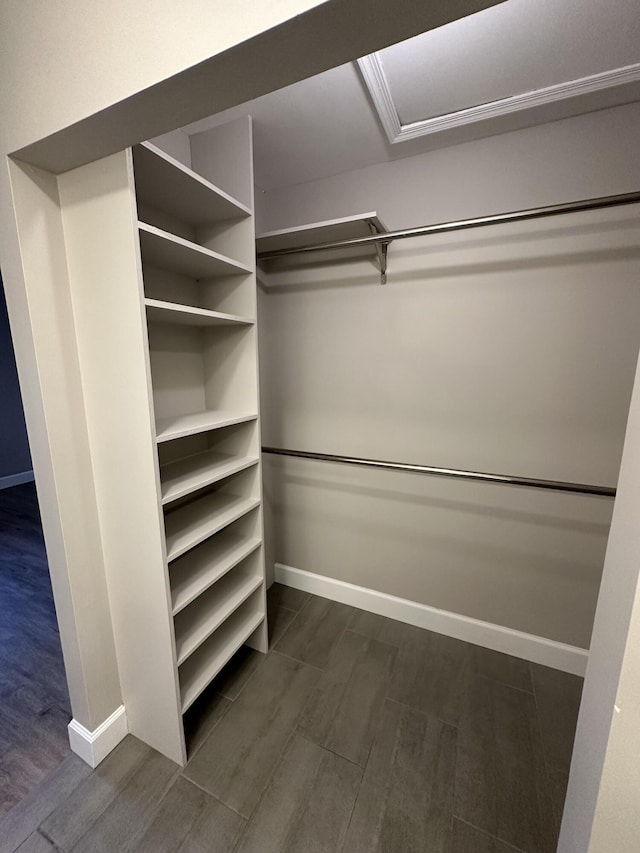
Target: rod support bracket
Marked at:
381, 251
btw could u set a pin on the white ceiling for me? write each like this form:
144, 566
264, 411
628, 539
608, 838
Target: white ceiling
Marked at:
327, 124
509, 49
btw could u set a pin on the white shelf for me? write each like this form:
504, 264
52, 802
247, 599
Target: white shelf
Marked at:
165, 183
194, 522
191, 473
203, 666
196, 571
159, 311
328, 231
198, 622
167, 251
180, 426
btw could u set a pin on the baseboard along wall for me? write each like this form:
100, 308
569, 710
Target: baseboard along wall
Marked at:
94, 746
16, 479
506, 640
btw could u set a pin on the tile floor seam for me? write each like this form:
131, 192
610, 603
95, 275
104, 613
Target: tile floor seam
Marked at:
44, 835
255, 808
298, 733
297, 660
424, 713
491, 835
55, 846
213, 797
355, 799
377, 639
213, 728
135, 838
502, 683
288, 628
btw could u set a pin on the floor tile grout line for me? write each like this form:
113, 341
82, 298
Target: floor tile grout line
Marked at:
42, 832
377, 639
490, 835
428, 714
124, 783
213, 728
267, 783
286, 631
58, 805
145, 824
502, 683
213, 797
332, 751
297, 660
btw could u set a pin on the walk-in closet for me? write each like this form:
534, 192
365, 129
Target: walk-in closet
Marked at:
355, 360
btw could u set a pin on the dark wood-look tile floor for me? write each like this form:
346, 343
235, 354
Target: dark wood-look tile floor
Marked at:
355, 734
34, 700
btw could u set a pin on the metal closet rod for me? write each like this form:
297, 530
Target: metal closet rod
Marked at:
464, 224
528, 482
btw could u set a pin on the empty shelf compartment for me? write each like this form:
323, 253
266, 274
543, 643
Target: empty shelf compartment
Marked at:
199, 620
194, 572
160, 248
164, 183
190, 523
185, 476
206, 662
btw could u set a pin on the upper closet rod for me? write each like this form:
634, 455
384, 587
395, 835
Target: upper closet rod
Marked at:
528, 482
385, 238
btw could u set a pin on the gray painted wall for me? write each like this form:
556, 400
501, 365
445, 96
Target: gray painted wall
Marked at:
510, 350
14, 446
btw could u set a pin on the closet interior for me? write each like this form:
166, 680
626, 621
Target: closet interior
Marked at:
491, 359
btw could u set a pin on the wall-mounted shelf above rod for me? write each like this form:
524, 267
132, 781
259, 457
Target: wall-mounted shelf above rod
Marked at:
275, 244
282, 247
454, 473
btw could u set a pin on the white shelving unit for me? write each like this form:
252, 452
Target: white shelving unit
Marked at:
169, 350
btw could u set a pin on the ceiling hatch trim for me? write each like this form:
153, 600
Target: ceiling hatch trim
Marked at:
596, 91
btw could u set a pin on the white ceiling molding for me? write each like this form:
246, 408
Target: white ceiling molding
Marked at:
380, 91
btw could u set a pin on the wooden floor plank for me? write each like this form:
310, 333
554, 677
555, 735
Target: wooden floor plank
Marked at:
123, 821
41, 802
34, 700
36, 843
73, 818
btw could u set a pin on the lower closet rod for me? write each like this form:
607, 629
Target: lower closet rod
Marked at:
528, 482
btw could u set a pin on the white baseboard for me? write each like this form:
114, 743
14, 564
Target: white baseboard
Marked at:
93, 746
16, 479
507, 640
